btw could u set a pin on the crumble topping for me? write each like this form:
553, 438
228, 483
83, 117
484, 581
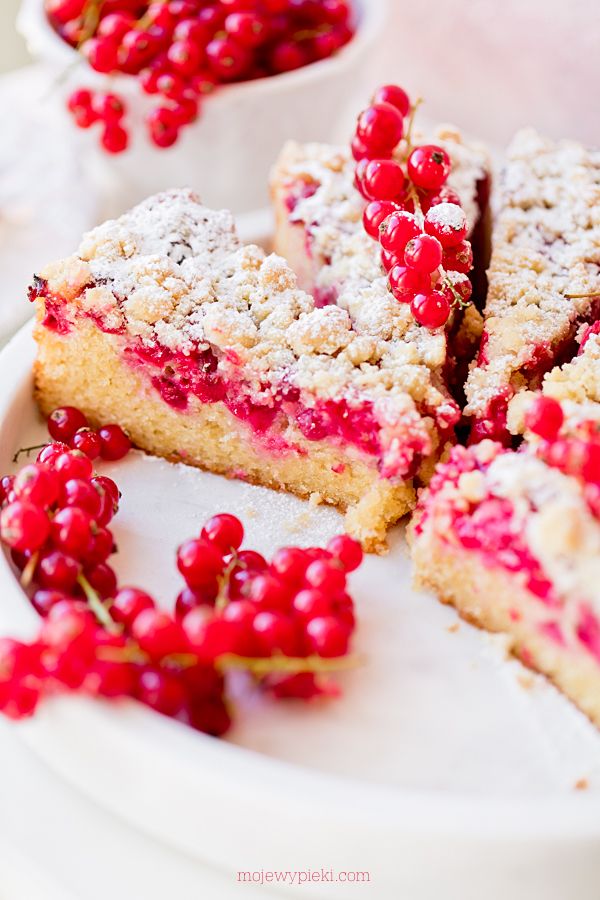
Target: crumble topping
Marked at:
174, 273
546, 245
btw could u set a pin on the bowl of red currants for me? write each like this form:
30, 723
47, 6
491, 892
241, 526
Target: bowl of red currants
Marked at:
201, 93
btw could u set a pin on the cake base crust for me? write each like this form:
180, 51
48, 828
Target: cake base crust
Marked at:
84, 369
488, 598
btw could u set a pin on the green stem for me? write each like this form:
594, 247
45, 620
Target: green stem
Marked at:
98, 606
29, 570
286, 664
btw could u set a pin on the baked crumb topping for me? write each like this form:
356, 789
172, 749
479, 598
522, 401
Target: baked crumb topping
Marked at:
545, 267
173, 273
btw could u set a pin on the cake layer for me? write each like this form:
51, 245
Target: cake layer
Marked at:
544, 277
220, 338
514, 544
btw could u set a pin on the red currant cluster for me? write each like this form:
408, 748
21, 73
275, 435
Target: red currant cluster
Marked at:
577, 454
286, 622
181, 49
91, 107
411, 211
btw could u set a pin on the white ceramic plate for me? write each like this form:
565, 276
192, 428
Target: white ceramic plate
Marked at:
442, 766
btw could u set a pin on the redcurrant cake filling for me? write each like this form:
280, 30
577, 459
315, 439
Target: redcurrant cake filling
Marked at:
544, 278
206, 351
513, 541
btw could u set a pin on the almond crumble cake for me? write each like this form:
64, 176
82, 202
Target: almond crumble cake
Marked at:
544, 278
512, 540
318, 214
206, 351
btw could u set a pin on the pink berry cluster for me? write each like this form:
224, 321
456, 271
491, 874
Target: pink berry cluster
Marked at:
286, 622
411, 211
179, 50
576, 453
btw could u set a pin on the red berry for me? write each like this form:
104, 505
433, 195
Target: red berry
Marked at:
72, 531
405, 283
325, 576
115, 25
359, 150
161, 691
228, 59
88, 442
80, 106
136, 50
73, 465
102, 546
184, 57
163, 126
197, 560
446, 222
545, 417
114, 443
64, 422
274, 632
108, 485
115, 138
327, 637
128, 603
590, 470
346, 550
458, 258
157, 633
38, 484
269, 592
103, 579
83, 494
189, 598
391, 93
380, 127
247, 28
64, 10
383, 179
58, 571
101, 53
423, 253
24, 526
428, 167
51, 452
252, 561
109, 107
43, 600
397, 230
375, 213
225, 531
310, 603
289, 564
430, 309
287, 56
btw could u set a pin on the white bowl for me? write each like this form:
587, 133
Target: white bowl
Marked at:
436, 771
227, 154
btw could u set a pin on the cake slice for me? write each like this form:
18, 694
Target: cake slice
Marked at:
318, 215
512, 540
207, 352
544, 277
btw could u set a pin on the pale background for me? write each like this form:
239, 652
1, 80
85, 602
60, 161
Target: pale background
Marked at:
12, 48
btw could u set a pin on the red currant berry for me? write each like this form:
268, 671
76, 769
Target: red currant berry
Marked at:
225, 531
103, 579
423, 253
430, 309
115, 25
128, 603
161, 691
269, 592
190, 598
115, 138
287, 56
347, 551
197, 560
64, 422
405, 283
109, 486
252, 561
545, 417
396, 231
274, 633
64, 10
88, 442
73, 465
458, 258
375, 213
101, 53
72, 531
383, 179
163, 126
114, 443
37, 484
446, 222
247, 28
51, 452
102, 547
58, 571
380, 127
428, 167
325, 576
310, 603
109, 107
81, 108
327, 637
391, 93
289, 564
157, 633
227, 59
24, 526
43, 601
184, 57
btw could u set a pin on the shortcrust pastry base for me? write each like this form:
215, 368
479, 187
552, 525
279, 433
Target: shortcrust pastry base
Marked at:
84, 369
485, 597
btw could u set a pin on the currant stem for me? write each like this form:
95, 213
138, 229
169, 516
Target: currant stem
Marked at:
291, 665
98, 606
582, 296
29, 570
26, 450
